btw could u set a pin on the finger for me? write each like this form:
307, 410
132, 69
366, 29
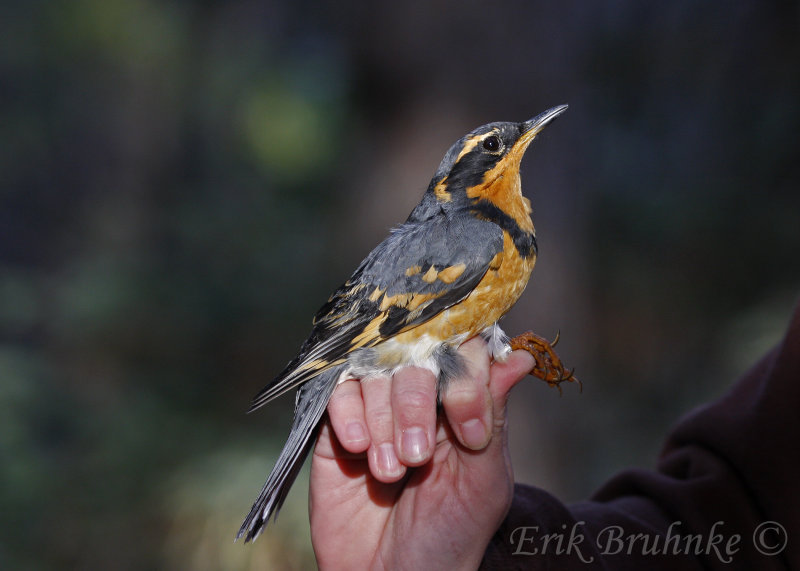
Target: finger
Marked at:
505, 375
328, 446
414, 413
383, 461
346, 413
467, 402
324, 447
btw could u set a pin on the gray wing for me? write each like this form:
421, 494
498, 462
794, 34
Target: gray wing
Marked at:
421, 269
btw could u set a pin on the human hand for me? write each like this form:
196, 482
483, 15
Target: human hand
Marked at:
398, 487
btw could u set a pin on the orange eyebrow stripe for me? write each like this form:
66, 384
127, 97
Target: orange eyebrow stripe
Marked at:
469, 144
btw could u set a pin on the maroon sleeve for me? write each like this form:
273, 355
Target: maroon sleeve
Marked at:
724, 495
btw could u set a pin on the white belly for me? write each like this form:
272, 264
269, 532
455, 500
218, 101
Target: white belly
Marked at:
424, 352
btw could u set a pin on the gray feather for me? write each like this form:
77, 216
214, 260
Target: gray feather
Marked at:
310, 404
441, 241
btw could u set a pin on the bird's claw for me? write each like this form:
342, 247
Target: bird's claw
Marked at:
548, 366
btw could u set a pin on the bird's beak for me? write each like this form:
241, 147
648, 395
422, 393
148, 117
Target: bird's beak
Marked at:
533, 127
510, 163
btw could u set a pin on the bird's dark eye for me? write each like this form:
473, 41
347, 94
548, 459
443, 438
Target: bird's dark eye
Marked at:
491, 143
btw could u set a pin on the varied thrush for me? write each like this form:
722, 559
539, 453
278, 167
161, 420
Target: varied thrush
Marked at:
448, 273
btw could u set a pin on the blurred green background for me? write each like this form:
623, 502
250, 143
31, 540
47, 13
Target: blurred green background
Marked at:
183, 183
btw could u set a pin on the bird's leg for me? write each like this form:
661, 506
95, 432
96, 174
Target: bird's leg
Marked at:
548, 366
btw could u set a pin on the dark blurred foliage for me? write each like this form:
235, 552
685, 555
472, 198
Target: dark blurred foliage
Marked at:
182, 184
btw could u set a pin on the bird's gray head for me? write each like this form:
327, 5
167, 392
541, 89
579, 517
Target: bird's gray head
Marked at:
478, 159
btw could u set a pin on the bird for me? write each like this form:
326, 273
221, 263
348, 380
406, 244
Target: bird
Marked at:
448, 273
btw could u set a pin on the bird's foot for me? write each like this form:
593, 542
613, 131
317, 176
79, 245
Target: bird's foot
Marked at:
548, 365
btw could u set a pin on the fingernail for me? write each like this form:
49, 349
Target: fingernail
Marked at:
388, 463
354, 432
414, 443
474, 433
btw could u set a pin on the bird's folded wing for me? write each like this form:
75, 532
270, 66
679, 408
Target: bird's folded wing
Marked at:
420, 270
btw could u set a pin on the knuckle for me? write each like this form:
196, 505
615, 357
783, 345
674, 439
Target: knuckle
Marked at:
460, 396
342, 394
344, 403
415, 398
379, 418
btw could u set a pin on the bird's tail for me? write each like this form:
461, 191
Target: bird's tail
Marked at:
311, 401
